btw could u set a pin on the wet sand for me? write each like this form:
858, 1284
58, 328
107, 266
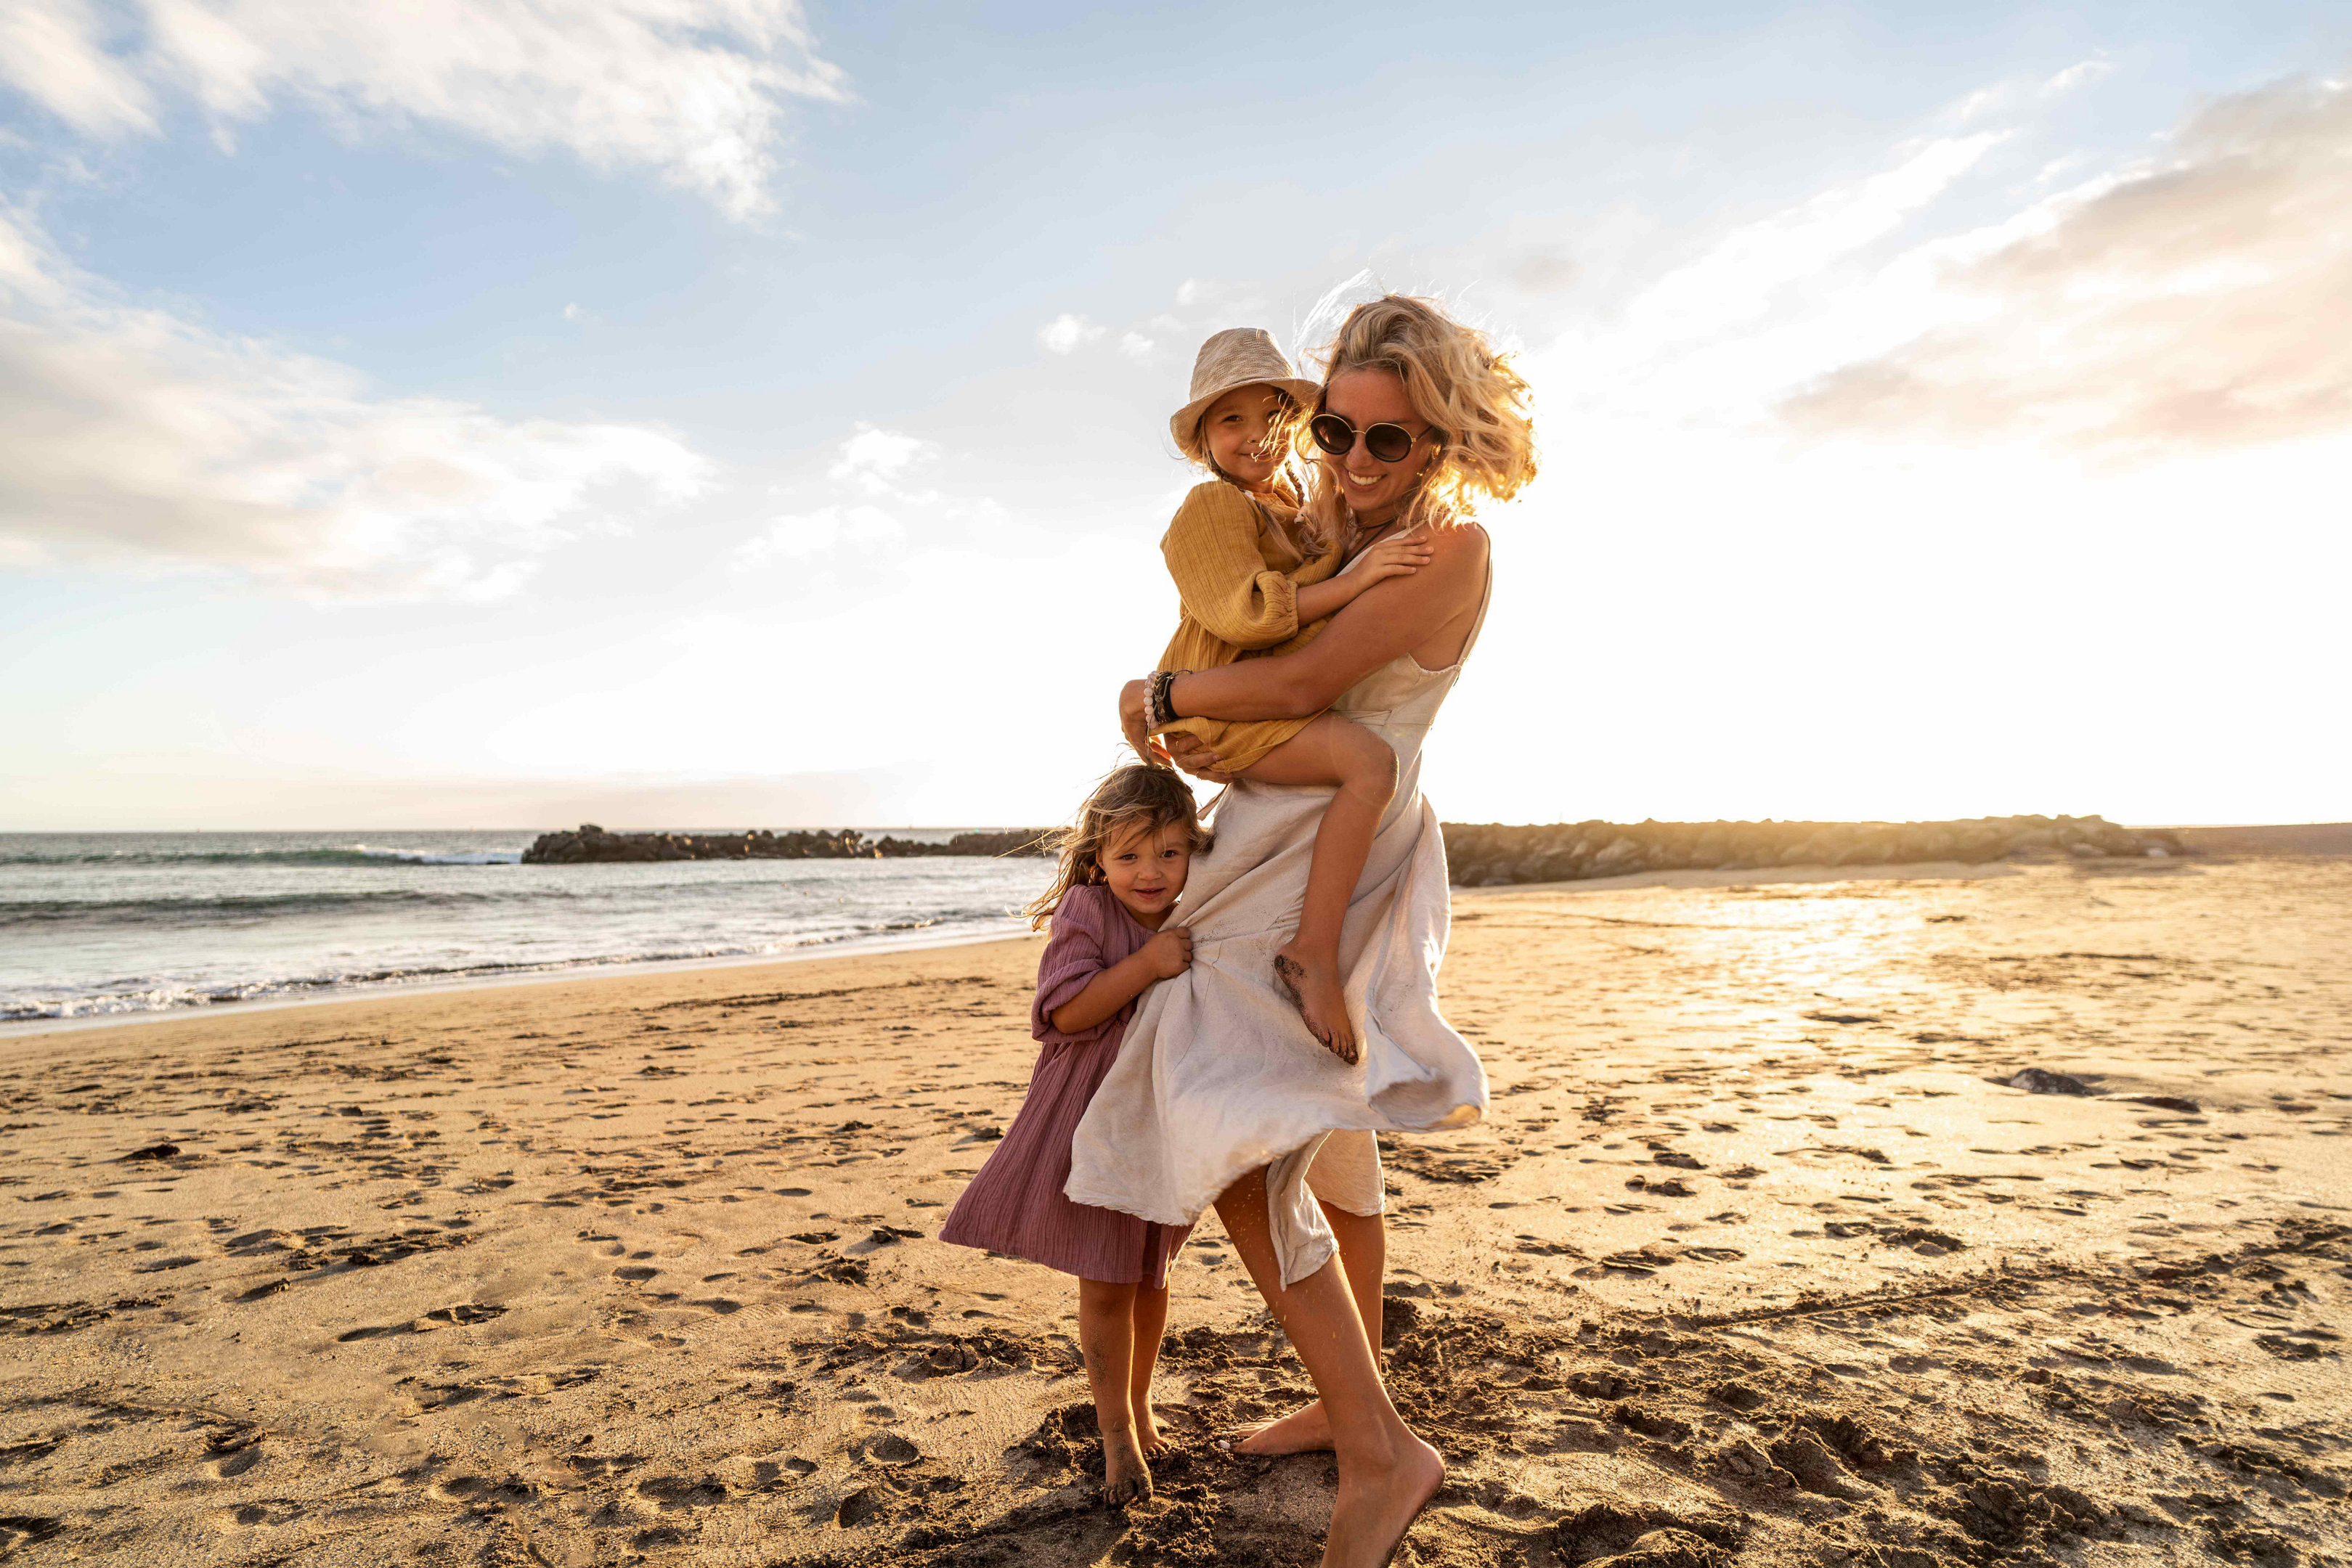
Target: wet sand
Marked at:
1754, 1260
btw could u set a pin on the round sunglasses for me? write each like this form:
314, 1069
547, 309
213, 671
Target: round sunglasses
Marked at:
1388, 442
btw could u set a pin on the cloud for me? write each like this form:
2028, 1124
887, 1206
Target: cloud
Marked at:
1136, 346
1064, 332
2082, 74
1737, 280
874, 460
2201, 301
52, 52
128, 435
797, 537
1546, 272
871, 464
690, 89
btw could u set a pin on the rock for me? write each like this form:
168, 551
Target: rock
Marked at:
1622, 854
594, 845
2040, 1081
1482, 854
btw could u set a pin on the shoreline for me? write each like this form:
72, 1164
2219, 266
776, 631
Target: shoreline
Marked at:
391, 991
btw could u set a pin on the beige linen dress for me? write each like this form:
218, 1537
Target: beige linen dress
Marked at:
1217, 1075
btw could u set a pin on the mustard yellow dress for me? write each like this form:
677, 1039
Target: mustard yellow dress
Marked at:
1238, 568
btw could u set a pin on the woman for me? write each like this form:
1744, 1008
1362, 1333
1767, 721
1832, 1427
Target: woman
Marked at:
1220, 1094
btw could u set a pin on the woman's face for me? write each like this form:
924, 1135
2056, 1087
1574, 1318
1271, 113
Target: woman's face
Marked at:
1240, 431
1365, 398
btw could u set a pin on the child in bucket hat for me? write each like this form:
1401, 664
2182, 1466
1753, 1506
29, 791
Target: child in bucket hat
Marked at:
1250, 583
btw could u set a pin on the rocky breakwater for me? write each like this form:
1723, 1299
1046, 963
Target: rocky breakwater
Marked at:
1494, 855
590, 844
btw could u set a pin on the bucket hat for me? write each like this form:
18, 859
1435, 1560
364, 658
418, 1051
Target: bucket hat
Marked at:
1236, 357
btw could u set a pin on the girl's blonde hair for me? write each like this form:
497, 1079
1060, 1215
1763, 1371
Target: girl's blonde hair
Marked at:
1131, 798
1460, 386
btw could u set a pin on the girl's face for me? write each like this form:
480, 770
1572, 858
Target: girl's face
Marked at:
1146, 868
1241, 430
1365, 398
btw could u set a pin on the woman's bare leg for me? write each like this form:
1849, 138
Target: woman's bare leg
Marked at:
1107, 1339
1386, 1474
1150, 1320
1364, 1254
1335, 751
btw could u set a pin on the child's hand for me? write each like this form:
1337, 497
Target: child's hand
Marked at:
1391, 557
1169, 953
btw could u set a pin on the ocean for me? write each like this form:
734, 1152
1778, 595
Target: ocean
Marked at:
125, 924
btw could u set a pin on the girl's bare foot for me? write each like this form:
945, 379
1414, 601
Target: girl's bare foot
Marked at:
1126, 1476
1378, 1503
1312, 981
1303, 1431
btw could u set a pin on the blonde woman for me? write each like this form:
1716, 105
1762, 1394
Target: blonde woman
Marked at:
1220, 1095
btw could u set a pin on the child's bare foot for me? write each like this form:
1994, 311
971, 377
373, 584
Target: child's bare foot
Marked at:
1126, 1476
1313, 982
1303, 1431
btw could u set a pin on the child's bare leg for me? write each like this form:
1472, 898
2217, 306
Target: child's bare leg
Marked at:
1107, 1339
1335, 751
1150, 1320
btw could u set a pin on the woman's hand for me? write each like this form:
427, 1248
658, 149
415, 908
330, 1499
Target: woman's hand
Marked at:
1132, 699
1187, 752
1390, 558
1169, 953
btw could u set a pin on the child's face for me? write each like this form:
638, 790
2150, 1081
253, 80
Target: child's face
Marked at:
1146, 868
1240, 430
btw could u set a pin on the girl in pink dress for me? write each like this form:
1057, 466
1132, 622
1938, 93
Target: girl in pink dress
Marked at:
1122, 866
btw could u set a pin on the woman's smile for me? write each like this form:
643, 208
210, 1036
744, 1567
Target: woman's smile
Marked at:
1366, 397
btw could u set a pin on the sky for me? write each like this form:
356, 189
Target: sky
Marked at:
729, 412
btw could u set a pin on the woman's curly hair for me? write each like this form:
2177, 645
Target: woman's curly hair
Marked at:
1131, 798
1459, 383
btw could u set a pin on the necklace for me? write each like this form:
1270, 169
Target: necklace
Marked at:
1359, 536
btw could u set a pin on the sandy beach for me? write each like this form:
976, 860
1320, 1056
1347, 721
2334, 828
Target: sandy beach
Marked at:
1759, 1257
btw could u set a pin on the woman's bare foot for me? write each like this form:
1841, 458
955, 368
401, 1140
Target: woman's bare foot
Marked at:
1378, 1503
1147, 1432
1126, 1476
1303, 1431
1313, 982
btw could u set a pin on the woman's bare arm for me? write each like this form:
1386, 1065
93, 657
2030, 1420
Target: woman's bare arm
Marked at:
1396, 617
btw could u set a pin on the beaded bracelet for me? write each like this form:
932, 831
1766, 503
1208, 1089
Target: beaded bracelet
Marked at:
1160, 706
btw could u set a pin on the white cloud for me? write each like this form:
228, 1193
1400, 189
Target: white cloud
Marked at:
53, 52
1136, 346
128, 435
690, 89
573, 313
2076, 76
1735, 282
874, 460
2197, 302
1064, 332
797, 537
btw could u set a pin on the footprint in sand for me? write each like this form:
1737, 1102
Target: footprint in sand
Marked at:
255, 1515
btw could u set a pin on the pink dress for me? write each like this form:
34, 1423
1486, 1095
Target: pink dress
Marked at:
1016, 1203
